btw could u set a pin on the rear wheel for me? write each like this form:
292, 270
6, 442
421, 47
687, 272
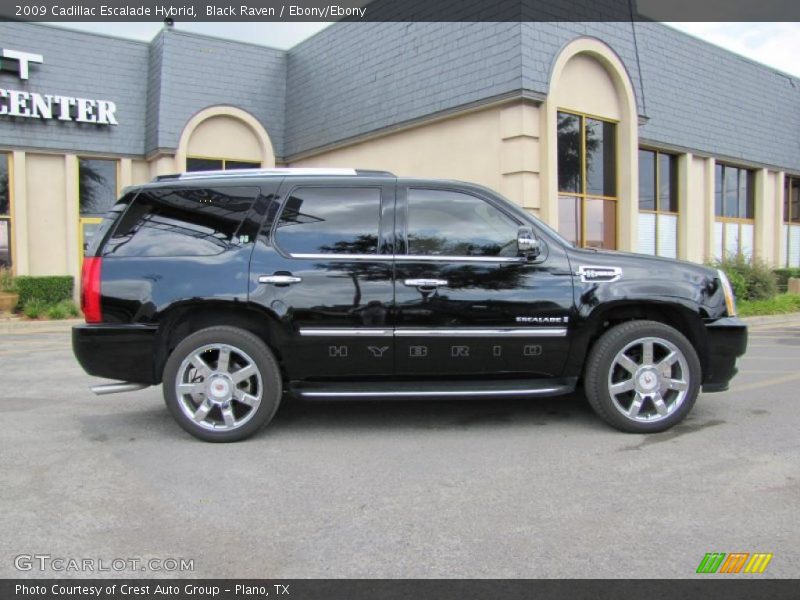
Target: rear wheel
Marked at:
642, 376
222, 384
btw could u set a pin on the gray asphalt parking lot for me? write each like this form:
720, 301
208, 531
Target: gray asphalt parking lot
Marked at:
482, 488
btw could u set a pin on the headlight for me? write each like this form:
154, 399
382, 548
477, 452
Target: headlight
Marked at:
730, 300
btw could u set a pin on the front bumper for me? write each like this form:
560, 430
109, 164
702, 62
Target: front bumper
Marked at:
727, 341
123, 352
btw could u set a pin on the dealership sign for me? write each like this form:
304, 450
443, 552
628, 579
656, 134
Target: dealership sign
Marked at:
33, 105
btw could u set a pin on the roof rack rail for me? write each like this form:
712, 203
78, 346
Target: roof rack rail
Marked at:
276, 172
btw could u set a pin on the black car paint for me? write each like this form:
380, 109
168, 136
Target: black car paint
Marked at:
146, 301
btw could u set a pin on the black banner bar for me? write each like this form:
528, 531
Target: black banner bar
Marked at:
400, 10
729, 588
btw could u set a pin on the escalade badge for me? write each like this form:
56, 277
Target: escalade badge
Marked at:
592, 274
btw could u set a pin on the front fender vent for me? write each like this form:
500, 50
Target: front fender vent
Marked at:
598, 274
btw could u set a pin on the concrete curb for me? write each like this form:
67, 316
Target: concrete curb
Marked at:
788, 318
12, 326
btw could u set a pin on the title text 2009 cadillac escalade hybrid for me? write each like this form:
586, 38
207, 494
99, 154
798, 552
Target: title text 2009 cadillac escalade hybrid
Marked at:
233, 288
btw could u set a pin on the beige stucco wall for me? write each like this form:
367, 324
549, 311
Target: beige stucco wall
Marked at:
224, 137
497, 147
47, 214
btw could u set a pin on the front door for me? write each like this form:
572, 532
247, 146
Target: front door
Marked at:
466, 304
325, 271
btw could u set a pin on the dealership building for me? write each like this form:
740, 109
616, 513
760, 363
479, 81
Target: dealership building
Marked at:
631, 136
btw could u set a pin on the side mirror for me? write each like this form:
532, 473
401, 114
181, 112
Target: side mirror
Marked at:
527, 243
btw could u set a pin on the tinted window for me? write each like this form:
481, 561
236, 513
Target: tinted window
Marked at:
601, 158
735, 192
241, 164
181, 222
445, 223
668, 183
330, 221
5, 205
92, 242
647, 180
569, 153
97, 185
203, 164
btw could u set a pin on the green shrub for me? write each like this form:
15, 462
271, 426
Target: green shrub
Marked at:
781, 304
34, 308
56, 312
7, 283
48, 290
782, 277
751, 280
70, 308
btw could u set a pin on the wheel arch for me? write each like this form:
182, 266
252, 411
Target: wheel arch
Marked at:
183, 319
679, 316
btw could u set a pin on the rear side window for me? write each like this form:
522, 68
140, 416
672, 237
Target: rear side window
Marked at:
330, 221
182, 222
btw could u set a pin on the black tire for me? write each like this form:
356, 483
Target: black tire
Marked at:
266, 379
599, 377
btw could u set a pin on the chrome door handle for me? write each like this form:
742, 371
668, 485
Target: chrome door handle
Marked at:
279, 279
425, 283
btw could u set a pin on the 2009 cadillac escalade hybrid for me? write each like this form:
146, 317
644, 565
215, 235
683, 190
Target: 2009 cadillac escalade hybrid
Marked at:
233, 288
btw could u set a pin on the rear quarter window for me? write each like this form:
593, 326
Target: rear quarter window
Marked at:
182, 222
92, 246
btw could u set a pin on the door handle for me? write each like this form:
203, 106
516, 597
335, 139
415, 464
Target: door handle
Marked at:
425, 283
279, 279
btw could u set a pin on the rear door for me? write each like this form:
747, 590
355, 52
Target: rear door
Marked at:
467, 305
324, 269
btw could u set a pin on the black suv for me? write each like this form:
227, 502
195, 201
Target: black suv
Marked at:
233, 288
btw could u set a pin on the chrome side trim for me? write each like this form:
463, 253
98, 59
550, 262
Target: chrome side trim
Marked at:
434, 258
410, 257
430, 393
369, 257
345, 332
522, 332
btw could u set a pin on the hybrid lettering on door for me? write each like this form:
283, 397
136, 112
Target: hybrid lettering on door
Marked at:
35, 105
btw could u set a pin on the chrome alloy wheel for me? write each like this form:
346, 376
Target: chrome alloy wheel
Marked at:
648, 379
219, 387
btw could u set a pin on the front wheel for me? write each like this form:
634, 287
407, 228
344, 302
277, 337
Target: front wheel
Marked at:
642, 377
222, 384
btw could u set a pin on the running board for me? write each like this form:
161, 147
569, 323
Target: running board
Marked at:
433, 389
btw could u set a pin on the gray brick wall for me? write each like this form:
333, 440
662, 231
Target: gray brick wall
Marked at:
704, 98
542, 42
356, 78
353, 78
81, 65
199, 71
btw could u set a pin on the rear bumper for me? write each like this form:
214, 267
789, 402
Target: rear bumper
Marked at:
123, 352
727, 341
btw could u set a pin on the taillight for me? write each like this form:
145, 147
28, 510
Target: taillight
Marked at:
90, 289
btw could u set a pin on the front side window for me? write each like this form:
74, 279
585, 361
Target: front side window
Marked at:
196, 163
791, 220
5, 213
587, 180
734, 207
658, 203
449, 223
182, 222
330, 220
